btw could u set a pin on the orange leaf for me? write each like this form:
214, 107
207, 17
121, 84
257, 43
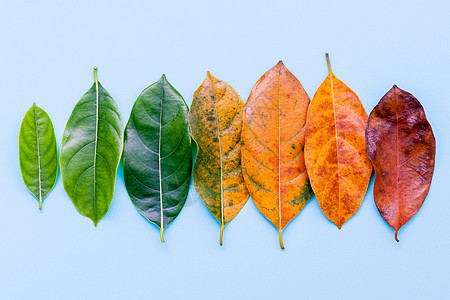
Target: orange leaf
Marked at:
216, 124
335, 149
272, 152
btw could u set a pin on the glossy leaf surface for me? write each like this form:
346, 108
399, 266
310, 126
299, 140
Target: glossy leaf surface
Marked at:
90, 152
401, 146
273, 140
157, 156
216, 124
38, 155
335, 149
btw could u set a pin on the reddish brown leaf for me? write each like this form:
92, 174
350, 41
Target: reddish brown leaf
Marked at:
401, 146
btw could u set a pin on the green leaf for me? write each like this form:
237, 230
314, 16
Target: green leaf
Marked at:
90, 152
38, 155
157, 156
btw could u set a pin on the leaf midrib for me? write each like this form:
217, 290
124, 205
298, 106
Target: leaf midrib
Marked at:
95, 147
280, 222
337, 148
222, 221
159, 159
38, 156
398, 159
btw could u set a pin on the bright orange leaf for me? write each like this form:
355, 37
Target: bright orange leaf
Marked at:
335, 149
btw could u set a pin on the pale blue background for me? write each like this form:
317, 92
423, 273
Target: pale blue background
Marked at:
47, 53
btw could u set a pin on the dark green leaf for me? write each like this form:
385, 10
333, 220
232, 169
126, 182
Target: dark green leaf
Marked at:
157, 155
38, 155
90, 152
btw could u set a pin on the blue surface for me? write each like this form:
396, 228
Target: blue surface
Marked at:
47, 53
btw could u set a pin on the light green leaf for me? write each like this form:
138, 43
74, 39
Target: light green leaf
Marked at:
157, 156
38, 155
90, 152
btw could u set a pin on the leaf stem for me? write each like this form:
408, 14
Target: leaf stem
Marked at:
396, 239
281, 238
328, 62
221, 233
161, 230
95, 74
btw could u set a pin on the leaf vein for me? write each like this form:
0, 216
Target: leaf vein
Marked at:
179, 167
78, 151
256, 138
140, 182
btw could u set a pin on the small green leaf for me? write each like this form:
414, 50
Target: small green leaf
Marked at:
157, 157
38, 155
90, 152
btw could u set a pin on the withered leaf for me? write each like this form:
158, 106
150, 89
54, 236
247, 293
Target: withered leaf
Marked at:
272, 153
401, 146
216, 124
335, 149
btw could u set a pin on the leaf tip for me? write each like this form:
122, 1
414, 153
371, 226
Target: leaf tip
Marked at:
394, 89
163, 77
209, 76
280, 63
